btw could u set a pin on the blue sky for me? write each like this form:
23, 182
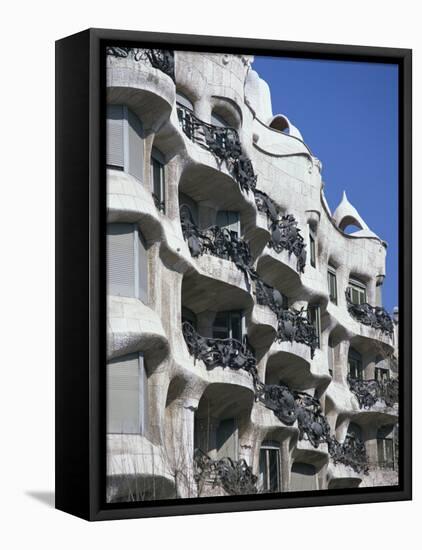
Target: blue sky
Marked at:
347, 113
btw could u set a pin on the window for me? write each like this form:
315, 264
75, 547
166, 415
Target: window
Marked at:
355, 365
331, 358
228, 324
127, 396
269, 480
127, 263
312, 248
332, 284
157, 178
229, 220
314, 317
303, 477
385, 447
381, 374
227, 439
125, 145
357, 292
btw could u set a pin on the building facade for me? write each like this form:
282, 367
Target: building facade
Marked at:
248, 349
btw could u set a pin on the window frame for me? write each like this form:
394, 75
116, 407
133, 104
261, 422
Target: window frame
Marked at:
360, 288
332, 276
231, 314
157, 160
315, 322
312, 248
266, 448
142, 395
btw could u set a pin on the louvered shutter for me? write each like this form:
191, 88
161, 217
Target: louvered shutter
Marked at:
120, 260
136, 146
143, 269
303, 477
227, 439
115, 132
123, 395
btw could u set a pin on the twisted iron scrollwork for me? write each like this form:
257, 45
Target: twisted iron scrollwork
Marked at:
312, 423
223, 143
279, 399
368, 392
235, 477
219, 242
351, 452
294, 325
159, 59
374, 316
285, 234
216, 352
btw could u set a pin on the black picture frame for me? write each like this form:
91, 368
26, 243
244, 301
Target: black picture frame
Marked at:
80, 273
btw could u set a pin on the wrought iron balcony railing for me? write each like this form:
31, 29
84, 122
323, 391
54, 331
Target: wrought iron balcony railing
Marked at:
351, 452
159, 59
223, 143
374, 316
235, 477
285, 234
216, 352
219, 242
293, 325
368, 392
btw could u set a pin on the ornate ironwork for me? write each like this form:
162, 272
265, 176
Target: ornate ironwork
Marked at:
285, 234
219, 242
159, 59
216, 352
235, 477
351, 452
374, 316
312, 423
368, 392
280, 400
223, 143
294, 325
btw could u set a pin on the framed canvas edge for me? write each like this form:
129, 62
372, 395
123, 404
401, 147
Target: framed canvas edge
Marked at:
91, 450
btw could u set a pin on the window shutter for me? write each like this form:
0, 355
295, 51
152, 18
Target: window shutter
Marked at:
115, 147
303, 477
143, 269
136, 146
120, 260
227, 439
123, 395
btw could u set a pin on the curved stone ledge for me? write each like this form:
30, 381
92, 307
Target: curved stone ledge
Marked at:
135, 466
131, 327
148, 92
340, 476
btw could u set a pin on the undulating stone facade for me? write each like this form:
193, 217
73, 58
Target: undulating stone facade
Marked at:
248, 349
